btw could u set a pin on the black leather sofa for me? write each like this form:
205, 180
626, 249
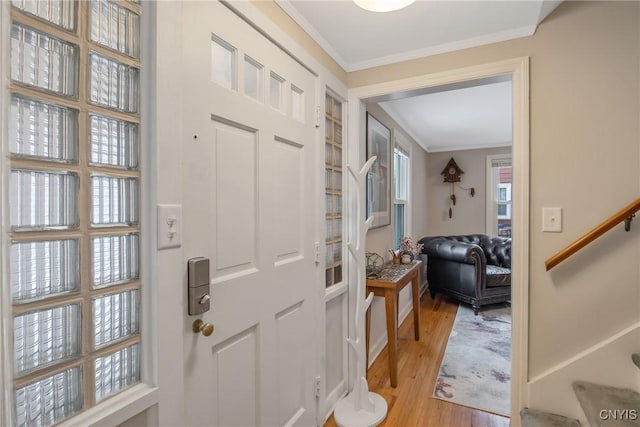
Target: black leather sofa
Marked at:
475, 268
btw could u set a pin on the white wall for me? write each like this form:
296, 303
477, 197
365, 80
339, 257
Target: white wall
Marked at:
469, 213
380, 240
584, 157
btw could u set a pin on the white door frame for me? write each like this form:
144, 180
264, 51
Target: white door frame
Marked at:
518, 69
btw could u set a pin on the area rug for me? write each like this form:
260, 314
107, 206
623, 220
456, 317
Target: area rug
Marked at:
476, 368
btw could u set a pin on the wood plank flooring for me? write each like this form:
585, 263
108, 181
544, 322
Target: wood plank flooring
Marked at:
411, 403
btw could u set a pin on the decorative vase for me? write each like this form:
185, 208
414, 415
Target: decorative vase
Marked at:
406, 259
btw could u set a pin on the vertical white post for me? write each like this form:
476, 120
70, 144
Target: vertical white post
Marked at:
360, 407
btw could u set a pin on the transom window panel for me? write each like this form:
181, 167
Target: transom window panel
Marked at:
114, 200
113, 84
43, 61
276, 89
297, 103
113, 142
115, 259
333, 191
115, 27
44, 269
253, 78
45, 336
44, 130
41, 199
74, 205
60, 13
223, 62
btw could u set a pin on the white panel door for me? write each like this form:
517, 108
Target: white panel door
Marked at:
249, 206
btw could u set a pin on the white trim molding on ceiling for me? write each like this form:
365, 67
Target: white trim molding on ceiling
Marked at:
290, 10
289, 7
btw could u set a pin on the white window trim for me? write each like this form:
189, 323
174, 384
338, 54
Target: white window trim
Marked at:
401, 141
491, 222
5, 297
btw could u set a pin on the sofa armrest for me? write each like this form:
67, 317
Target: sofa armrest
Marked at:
452, 250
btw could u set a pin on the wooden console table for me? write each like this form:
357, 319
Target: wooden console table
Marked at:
390, 282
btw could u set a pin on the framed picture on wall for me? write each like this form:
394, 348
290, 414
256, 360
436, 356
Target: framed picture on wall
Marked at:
378, 195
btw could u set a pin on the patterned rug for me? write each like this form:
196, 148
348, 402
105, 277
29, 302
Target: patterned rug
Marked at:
476, 368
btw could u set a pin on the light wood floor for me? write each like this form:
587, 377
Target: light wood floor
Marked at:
411, 403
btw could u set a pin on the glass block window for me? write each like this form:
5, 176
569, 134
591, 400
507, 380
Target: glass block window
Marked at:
45, 268
45, 336
43, 130
41, 199
49, 400
333, 173
115, 317
74, 208
60, 13
117, 371
115, 259
113, 84
115, 27
114, 142
43, 61
115, 200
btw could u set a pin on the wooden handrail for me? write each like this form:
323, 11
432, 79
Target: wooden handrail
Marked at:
623, 215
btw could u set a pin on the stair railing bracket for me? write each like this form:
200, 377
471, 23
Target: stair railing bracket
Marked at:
627, 222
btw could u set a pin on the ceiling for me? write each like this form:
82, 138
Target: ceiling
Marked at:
475, 115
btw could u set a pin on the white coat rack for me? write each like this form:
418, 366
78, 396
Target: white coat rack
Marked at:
360, 408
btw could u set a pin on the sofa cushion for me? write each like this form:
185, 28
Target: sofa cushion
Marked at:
498, 276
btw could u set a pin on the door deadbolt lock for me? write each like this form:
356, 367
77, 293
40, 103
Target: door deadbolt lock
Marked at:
198, 288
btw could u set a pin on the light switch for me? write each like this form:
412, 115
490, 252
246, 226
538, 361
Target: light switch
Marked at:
552, 220
169, 226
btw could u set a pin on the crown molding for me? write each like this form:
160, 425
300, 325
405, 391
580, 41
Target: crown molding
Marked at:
444, 48
441, 148
308, 28
391, 113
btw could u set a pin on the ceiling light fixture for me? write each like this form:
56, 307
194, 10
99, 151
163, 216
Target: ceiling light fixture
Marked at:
383, 5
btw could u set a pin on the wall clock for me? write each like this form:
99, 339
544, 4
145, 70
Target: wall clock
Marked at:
452, 174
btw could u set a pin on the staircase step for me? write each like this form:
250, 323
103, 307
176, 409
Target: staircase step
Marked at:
636, 359
607, 406
535, 418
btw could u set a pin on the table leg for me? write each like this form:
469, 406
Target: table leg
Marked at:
390, 298
415, 290
368, 329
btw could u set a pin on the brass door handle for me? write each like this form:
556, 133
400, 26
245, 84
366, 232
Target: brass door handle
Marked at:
200, 326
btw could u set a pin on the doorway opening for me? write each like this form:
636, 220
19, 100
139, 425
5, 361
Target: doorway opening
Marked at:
517, 70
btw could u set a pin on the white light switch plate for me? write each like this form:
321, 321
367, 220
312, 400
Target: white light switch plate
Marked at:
169, 226
552, 220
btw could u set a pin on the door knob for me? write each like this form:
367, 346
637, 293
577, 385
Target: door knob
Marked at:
200, 326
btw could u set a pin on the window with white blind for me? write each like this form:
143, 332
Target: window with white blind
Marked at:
74, 205
333, 190
499, 185
401, 193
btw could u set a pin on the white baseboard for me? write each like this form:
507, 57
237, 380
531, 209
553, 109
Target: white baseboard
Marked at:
607, 363
376, 348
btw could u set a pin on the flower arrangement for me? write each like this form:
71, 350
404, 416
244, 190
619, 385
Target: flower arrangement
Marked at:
408, 247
